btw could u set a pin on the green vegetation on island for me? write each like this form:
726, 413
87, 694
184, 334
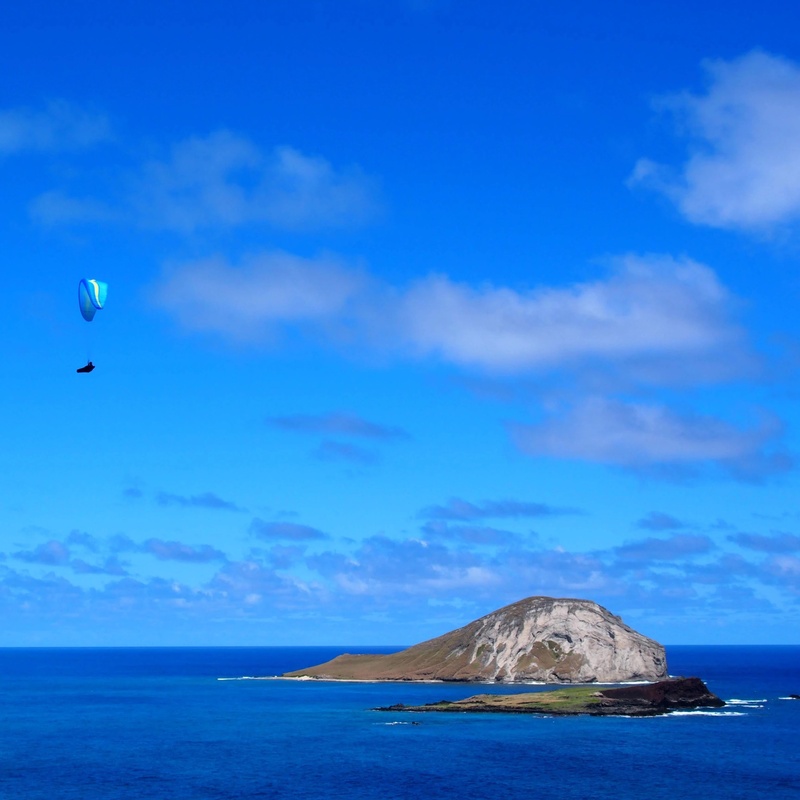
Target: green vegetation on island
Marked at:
649, 699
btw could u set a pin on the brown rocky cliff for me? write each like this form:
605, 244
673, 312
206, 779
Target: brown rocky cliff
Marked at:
537, 639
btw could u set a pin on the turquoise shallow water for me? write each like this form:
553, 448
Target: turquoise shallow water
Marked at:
158, 723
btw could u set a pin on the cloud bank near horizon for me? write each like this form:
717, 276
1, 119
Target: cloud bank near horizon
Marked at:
702, 571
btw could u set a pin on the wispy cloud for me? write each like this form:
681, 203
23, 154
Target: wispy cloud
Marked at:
83, 539
638, 435
340, 424
382, 565
672, 548
54, 553
250, 585
121, 543
226, 180
110, 566
329, 450
464, 511
178, 551
54, 207
51, 553
203, 500
473, 534
767, 543
786, 569
252, 302
285, 556
337, 424
56, 127
287, 531
658, 521
216, 182
744, 131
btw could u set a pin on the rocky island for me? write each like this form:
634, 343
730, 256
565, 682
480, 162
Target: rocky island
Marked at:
647, 700
541, 639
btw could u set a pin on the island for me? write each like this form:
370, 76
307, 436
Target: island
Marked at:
538, 639
648, 700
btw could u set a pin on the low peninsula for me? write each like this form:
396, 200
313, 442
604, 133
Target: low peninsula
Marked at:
538, 639
647, 700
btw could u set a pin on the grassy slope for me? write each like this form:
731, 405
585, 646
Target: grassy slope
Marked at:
577, 699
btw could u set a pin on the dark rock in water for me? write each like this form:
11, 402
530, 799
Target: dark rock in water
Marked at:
794, 696
668, 695
645, 700
537, 639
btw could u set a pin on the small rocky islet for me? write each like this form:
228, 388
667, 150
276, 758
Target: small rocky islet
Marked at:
538, 639
646, 700
542, 640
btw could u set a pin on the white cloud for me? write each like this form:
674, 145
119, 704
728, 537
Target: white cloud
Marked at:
58, 126
223, 181
248, 303
329, 450
386, 566
649, 307
649, 312
56, 208
676, 547
201, 184
338, 424
405, 577
460, 510
743, 170
639, 435
288, 531
301, 191
654, 321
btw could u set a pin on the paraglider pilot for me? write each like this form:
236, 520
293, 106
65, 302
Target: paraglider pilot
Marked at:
91, 299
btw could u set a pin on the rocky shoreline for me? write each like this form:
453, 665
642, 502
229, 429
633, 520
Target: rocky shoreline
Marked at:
644, 700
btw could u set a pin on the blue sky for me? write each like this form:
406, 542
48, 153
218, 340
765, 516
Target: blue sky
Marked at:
415, 309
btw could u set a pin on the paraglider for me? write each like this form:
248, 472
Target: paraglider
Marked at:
91, 299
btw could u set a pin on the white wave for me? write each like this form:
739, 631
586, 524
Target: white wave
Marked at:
527, 683
707, 714
341, 680
746, 703
787, 698
735, 702
269, 678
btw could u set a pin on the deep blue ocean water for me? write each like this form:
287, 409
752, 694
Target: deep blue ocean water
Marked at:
159, 723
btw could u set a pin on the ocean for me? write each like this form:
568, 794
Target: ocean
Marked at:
192, 724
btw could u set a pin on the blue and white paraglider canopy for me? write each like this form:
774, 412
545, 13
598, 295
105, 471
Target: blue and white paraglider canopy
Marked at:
91, 297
